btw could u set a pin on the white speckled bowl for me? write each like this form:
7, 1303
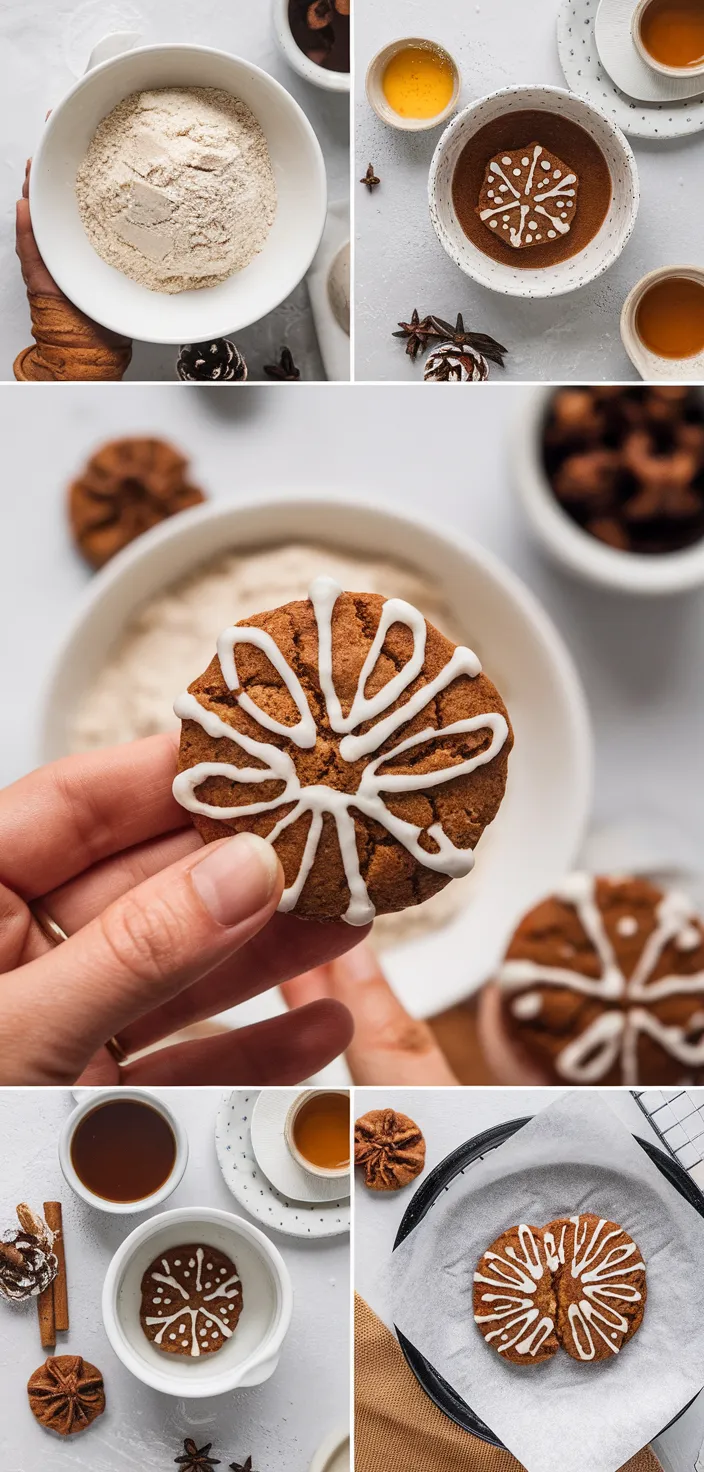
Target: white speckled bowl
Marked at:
597, 255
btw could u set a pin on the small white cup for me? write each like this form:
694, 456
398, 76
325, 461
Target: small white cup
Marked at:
650, 365
122, 1208
658, 66
376, 96
320, 76
305, 1164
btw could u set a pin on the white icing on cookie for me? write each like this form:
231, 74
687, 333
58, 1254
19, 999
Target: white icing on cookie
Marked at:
603, 1272
531, 192
186, 1318
319, 800
613, 1036
512, 1308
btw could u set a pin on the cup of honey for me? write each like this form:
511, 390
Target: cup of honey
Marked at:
122, 1150
662, 324
317, 1132
413, 84
669, 36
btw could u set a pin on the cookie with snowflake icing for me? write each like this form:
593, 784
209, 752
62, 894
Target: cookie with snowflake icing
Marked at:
603, 983
599, 1282
528, 197
365, 746
513, 1297
191, 1300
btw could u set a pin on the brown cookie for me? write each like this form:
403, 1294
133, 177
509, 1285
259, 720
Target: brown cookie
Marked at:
390, 1149
600, 1287
603, 983
528, 197
360, 741
514, 1299
191, 1300
66, 1394
127, 487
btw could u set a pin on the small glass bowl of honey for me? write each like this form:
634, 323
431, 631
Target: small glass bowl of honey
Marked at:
413, 84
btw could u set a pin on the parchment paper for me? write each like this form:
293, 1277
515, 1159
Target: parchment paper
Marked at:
561, 1416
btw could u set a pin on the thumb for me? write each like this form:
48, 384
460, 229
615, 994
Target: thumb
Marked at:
154, 941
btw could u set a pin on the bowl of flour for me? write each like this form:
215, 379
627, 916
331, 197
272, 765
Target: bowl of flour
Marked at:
148, 623
178, 193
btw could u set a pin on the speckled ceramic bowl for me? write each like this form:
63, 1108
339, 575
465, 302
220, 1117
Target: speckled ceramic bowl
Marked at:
597, 255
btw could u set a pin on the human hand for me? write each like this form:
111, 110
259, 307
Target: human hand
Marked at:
34, 273
163, 932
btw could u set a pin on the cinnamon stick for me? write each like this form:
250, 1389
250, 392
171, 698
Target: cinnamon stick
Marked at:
47, 1321
54, 1221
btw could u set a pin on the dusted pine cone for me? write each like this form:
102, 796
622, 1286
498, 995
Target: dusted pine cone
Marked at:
390, 1148
66, 1394
27, 1263
212, 362
127, 487
451, 364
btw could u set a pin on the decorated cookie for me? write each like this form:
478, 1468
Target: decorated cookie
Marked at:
364, 745
514, 1299
390, 1149
528, 197
66, 1394
603, 983
191, 1300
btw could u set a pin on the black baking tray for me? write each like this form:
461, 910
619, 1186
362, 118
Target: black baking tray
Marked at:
442, 1394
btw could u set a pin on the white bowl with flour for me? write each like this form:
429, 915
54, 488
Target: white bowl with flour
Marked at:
538, 831
125, 305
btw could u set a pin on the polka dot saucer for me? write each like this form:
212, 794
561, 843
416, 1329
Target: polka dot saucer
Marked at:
253, 1190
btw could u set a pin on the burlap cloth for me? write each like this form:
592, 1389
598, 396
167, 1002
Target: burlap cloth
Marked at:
69, 347
397, 1427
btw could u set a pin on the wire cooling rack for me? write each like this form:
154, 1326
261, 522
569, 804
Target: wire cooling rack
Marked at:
677, 1116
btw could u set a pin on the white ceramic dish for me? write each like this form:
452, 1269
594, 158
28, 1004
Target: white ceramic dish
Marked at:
584, 73
575, 549
253, 1189
320, 76
251, 1355
374, 85
334, 1454
286, 1174
121, 304
597, 255
662, 68
625, 64
92, 1099
649, 364
549, 786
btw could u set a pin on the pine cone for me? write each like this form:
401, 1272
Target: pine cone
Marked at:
127, 487
212, 362
66, 1394
27, 1263
450, 364
390, 1148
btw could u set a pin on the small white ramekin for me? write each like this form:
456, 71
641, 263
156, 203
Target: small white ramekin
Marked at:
598, 254
92, 1101
251, 1355
568, 543
320, 76
650, 365
375, 86
289, 1136
682, 72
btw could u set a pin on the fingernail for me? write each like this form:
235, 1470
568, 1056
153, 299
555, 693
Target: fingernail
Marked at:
237, 879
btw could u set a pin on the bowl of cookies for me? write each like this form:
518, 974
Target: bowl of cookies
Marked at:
197, 1302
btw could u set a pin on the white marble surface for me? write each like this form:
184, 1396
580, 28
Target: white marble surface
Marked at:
280, 1424
45, 48
447, 1118
400, 262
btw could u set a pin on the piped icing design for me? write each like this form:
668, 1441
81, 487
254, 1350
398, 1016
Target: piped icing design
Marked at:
528, 197
507, 1295
613, 1037
191, 1301
600, 1263
278, 764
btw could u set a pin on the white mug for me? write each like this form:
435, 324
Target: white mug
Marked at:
658, 66
321, 1171
93, 1100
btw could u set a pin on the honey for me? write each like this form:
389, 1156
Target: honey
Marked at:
672, 32
321, 1130
418, 82
670, 317
123, 1150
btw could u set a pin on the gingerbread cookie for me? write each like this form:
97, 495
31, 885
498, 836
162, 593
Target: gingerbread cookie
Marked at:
603, 983
345, 729
528, 197
514, 1299
390, 1149
191, 1300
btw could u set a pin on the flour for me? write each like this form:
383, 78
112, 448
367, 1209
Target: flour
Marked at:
172, 639
177, 189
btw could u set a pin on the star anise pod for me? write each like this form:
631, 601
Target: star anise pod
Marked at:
487, 346
196, 1459
417, 334
285, 370
241, 1466
370, 179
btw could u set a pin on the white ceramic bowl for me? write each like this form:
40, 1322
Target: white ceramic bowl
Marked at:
650, 365
325, 1174
121, 304
538, 832
251, 1355
569, 544
320, 76
374, 86
92, 1100
597, 255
